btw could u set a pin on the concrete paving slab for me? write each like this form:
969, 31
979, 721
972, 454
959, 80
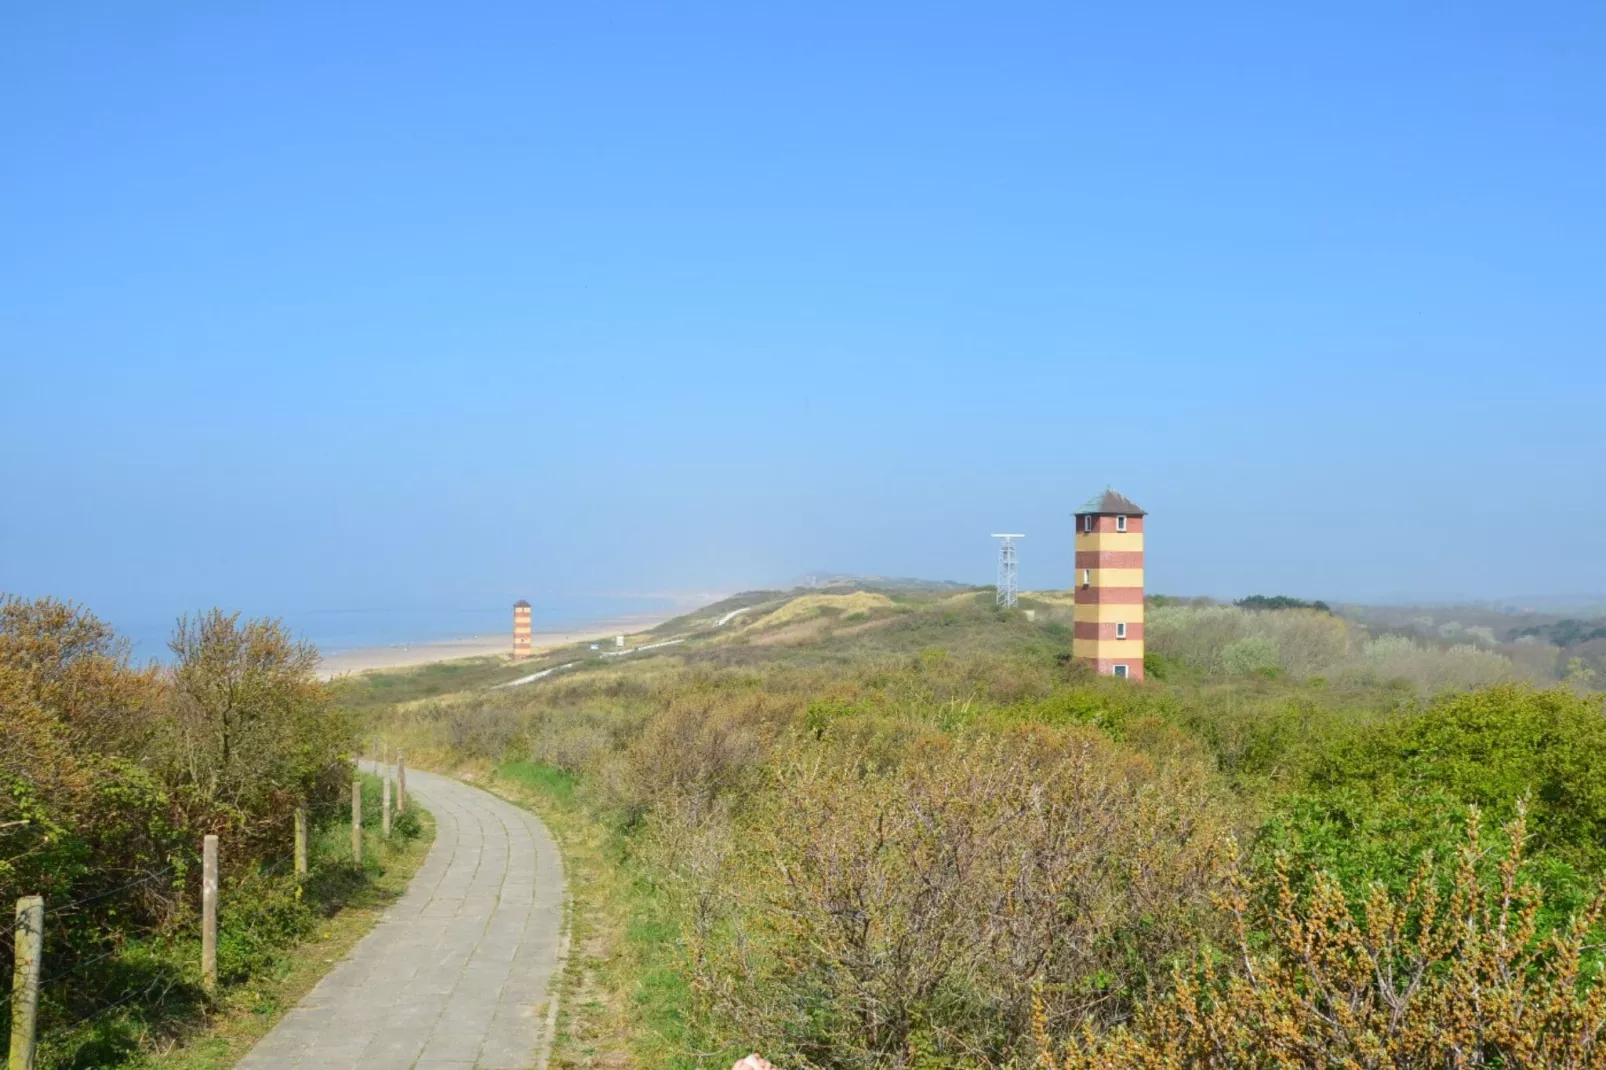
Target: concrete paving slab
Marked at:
456, 973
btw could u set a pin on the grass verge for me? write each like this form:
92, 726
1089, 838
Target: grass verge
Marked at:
623, 998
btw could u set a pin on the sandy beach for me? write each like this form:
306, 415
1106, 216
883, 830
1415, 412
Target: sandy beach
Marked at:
403, 655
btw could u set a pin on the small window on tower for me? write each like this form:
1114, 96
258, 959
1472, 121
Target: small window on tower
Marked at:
1120, 670
1087, 577
1120, 523
1087, 522
1120, 629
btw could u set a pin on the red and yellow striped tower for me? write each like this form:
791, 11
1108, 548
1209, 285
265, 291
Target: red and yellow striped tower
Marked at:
1109, 586
521, 630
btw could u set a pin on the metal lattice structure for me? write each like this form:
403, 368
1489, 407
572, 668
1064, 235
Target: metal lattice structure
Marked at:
1008, 563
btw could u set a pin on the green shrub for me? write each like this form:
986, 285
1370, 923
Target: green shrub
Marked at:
110, 776
262, 917
1371, 804
858, 910
1252, 653
1462, 975
407, 825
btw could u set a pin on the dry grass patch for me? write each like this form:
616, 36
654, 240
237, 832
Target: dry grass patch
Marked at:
813, 605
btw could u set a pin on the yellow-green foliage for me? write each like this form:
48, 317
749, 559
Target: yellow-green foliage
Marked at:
819, 605
1304, 643
874, 897
110, 776
1457, 976
870, 848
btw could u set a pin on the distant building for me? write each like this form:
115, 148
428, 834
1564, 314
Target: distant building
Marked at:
1109, 586
521, 630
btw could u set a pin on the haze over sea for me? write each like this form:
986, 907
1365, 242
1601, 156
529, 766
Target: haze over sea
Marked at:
335, 630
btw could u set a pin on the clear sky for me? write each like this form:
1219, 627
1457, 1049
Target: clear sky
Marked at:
325, 304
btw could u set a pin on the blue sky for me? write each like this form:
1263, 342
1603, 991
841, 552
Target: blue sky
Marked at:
317, 305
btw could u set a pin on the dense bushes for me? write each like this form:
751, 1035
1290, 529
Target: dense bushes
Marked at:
1461, 975
880, 858
111, 775
118, 771
866, 908
1369, 806
1311, 642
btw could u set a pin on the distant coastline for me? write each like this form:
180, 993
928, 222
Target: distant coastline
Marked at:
378, 634
408, 655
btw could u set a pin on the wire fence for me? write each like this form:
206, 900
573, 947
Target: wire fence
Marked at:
143, 977
137, 882
166, 976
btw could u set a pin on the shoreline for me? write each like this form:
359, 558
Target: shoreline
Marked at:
430, 651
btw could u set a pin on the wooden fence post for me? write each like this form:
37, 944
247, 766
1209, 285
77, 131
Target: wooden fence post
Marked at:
209, 913
30, 946
401, 782
384, 807
356, 821
301, 841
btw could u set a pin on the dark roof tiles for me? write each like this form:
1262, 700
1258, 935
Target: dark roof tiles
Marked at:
1111, 503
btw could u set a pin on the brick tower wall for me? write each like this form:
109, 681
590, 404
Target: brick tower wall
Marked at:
1109, 592
521, 632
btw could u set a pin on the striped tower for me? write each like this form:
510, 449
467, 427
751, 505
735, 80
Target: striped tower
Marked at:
1109, 586
521, 630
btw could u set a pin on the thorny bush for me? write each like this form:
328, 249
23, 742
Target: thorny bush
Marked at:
1457, 976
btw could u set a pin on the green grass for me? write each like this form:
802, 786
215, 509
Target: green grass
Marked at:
373, 690
623, 998
556, 784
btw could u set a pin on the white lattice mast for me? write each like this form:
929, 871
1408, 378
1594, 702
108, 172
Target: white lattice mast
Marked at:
1007, 564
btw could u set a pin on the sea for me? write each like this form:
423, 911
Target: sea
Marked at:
336, 631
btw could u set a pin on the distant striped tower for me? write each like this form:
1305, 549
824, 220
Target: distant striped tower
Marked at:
521, 630
1109, 586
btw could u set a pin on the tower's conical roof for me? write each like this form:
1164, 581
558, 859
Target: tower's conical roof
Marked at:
521, 604
1111, 502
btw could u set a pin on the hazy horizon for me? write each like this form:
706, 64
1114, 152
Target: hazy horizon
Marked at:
389, 306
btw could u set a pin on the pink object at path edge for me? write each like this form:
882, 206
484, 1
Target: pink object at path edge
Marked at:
754, 1061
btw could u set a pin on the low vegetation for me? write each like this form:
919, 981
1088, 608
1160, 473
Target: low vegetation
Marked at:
110, 778
922, 837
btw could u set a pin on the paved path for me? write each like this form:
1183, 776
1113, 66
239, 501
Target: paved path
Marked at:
454, 977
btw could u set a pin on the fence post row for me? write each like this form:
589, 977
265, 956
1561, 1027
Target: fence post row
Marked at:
301, 841
30, 941
356, 821
209, 913
29, 934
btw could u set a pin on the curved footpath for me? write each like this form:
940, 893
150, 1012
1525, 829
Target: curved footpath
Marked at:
455, 975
